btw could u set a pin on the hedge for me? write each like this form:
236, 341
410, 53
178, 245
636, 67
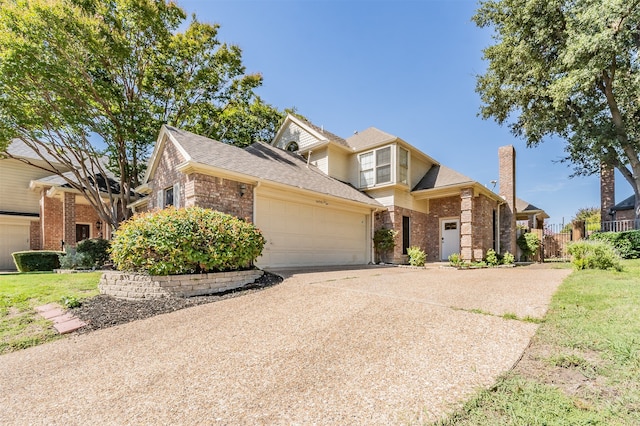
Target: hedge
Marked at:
96, 249
185, 241
36, 260
627, 243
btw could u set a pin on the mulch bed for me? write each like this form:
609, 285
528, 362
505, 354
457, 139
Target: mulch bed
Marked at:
104, 311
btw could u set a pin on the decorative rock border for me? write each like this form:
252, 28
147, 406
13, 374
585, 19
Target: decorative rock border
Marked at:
131, 285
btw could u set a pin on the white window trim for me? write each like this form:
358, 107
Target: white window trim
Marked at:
408, 166
160, 197
392, 167
176, 195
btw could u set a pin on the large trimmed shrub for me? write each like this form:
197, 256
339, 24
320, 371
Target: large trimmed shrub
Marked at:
529, 243
96, 249
36, 260
185, 241
594, 255
627, 242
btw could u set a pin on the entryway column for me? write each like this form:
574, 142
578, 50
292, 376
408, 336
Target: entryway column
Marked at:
69, 215
466, 224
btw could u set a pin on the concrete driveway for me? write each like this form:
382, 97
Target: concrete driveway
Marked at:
355, 346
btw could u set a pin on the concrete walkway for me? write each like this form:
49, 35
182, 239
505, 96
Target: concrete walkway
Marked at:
358, 346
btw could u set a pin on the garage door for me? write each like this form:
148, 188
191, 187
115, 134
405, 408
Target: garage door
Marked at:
12, 238
301, 234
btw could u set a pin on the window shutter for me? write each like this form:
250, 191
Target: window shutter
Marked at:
176, 195
160, 203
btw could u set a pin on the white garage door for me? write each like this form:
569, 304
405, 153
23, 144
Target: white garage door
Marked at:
300, 234
12, 238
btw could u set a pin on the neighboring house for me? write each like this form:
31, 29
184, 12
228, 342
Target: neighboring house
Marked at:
532, 215
609, 209
38, 210
318, 198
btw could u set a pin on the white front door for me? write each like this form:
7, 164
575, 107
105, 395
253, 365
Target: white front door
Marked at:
450, 237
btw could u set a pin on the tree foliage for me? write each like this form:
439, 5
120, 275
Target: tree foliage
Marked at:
86, 80
567, 68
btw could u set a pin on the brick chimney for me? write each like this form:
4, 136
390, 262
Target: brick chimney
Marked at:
607, 192
507, 178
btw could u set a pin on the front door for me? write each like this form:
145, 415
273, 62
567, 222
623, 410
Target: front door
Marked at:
82, 232
450, 237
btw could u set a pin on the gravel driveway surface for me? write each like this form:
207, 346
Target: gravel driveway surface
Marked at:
356, 346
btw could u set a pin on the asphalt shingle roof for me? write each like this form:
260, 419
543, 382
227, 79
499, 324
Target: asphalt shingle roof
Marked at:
369, 137
329, 135
263, 161
439, 176
626, 204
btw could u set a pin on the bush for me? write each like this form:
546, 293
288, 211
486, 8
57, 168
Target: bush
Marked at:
417, 257
185, 241
36, 260
508, 259
492, 258
384, 239
594, 255
97, 249
455, 259
529, 243
627, 243
72, 259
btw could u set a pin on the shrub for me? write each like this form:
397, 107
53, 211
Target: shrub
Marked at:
36, 260
508, 259
594, 255
384, 239
492, 258
97, 249
627, 242
72, 259
455, 259
528, 243
191, 240
417, 257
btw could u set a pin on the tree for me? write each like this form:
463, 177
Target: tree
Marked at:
87, 84
567, 68
589, 215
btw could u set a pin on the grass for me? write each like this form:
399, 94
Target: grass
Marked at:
585, 360
20, 327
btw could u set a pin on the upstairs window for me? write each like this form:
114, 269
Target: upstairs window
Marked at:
169, 196
292, 146
403, 166
375, 167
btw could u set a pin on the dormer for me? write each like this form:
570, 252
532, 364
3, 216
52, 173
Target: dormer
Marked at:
381, 159
323, 149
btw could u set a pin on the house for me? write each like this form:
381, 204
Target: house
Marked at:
38, 210
319, 198
610, 210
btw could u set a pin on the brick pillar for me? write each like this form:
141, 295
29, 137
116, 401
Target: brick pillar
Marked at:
607, 192
466, 224
69, 215
507, 176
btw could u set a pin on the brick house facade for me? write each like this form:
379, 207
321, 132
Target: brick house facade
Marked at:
319, 198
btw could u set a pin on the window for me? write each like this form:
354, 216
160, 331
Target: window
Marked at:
292, 146
82, 232
375, 167
169, 196
403, 166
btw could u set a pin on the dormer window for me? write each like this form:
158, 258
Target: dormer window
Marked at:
292, 146
375, 167
403, 166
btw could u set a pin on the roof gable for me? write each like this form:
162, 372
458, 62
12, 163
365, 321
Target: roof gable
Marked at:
293, 124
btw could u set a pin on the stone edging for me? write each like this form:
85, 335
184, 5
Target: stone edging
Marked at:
131, 285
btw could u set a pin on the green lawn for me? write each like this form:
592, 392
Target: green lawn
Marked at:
583, 367
20, 327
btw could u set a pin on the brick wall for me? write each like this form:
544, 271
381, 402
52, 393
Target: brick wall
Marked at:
483, 225
166, 175
507, 175
34, 235
87, 215
51, 221
219, 194
392, 219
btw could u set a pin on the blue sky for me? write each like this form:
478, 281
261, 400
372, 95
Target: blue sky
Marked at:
405, 67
